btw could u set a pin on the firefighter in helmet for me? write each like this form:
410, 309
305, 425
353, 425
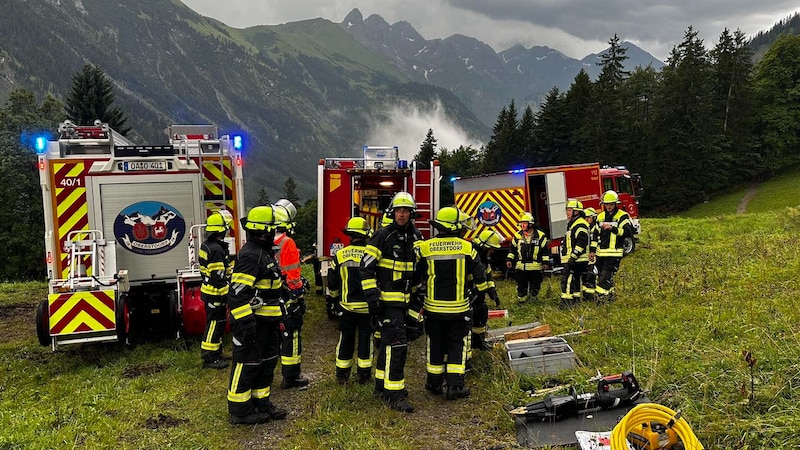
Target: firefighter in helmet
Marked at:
387, 272
590, 278
614, 226
574, 253
258, 316
288, 257
444, 264
528, 256
215, 264
485, 244
344, 283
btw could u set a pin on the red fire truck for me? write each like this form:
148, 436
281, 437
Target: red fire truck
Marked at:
498, 199
122, 223
364, 186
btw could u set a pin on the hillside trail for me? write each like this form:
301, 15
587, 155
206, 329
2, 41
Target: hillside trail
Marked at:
751, 192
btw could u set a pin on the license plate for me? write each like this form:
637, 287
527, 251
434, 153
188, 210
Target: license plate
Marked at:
139, 166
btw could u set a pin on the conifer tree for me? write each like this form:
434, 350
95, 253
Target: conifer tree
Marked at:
290, 191
92, 97
427, 151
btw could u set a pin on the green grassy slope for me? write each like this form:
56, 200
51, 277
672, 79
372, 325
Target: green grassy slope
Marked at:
696, 294
782, 190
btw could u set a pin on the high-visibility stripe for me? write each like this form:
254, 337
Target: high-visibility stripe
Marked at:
233, 396
242, 311
81, 312
261, 393
243, 278
269, 311
71, 209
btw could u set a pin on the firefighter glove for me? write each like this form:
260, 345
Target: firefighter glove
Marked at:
296, 308
413, 329
297, 292
493, 295
374, 314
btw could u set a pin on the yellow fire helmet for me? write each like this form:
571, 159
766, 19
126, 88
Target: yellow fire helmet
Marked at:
489, 238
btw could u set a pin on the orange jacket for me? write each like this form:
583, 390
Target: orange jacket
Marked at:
288, 257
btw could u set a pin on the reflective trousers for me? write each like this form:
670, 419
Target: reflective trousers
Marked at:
447, 338
253, 367
392, 354
211, 346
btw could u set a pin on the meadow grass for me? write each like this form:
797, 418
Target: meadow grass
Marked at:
696, 296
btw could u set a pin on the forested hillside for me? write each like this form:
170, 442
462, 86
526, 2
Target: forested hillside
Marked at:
710, 120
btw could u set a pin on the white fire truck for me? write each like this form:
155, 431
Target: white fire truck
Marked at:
122, 223
364, 186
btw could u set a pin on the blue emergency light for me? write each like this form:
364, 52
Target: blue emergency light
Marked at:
237, 142
40, 144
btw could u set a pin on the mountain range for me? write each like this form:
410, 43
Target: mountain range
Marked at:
300, 91
482, 78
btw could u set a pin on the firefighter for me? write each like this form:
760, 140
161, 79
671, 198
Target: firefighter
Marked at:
288, 257
485, 244
258, 316
590, 278
614, 226
344, 283
387, 272
214, 268
574, 253
528, 256
444, 263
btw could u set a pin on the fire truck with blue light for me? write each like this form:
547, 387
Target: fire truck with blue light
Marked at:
122, 225
364, 186
498, 199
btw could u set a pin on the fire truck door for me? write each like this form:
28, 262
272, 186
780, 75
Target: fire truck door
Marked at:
556, 202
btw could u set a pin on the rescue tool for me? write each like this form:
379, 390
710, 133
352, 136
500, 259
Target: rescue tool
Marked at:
612, 391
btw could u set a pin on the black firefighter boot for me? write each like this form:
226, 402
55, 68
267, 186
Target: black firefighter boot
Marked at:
342, 375
434, 384
254, 417
455, 392
363, 375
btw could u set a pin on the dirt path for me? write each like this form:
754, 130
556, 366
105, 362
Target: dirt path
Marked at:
751, 192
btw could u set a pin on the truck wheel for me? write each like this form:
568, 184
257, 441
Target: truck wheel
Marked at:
123, 318
43, 323
628, 245
175, 325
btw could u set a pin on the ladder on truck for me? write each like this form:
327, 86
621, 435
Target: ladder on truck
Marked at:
423, 190
202, 142
85, 255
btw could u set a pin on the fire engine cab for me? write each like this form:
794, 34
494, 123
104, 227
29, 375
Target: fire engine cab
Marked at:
122, 223
364, 186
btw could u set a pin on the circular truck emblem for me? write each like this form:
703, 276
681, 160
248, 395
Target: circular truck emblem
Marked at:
489, 213
149, 228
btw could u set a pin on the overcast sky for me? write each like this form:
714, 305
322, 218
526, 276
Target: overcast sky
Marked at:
574, 27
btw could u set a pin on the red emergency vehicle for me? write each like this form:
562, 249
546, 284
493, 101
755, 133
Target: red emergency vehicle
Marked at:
364, 187
498, 199
122, 223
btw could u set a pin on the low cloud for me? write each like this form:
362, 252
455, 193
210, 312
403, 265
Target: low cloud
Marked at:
406, 126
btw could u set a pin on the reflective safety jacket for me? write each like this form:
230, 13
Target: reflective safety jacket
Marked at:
214, 264
288, 257
576, 241
387, 269
529, 250
344, 278
609, 242
255, 284
444, 265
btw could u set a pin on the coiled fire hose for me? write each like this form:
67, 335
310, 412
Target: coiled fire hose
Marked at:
645, 414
